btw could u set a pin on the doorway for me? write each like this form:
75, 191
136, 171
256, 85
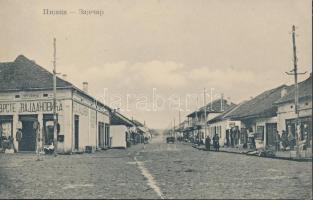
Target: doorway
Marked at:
107, 135
271, 129
101, 134
48, 129
76, 132
28, 141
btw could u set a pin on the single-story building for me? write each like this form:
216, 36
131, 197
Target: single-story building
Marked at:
259, 115
26, 100
131, 133
223, 126
286, 115
197, 119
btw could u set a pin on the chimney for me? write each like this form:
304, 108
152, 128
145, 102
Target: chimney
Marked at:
222, 102
85, 87
283, 92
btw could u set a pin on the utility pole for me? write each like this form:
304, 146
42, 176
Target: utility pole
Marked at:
55, 121
179, 122
295, 73
205, 117
197, 121
174, 130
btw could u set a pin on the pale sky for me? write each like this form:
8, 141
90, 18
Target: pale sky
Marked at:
238, 47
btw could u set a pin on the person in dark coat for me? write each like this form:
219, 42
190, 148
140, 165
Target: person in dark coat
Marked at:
232, 137
216, 144
19, 136
207, 143
284, 139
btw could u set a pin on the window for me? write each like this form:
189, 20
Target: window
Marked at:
45, 95
260, 132
6, 129
17, 96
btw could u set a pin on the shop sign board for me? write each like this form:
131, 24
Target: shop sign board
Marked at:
29, 107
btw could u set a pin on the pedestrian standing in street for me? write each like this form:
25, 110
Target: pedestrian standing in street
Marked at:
244, 138
227, 138
18, 136
253, 141
232, 137
208, 143
216, 142
284, 139
292, 140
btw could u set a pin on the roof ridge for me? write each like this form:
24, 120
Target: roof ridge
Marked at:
268, 92
235, 108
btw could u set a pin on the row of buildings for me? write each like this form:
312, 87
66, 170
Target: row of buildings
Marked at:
26, 100
265, 117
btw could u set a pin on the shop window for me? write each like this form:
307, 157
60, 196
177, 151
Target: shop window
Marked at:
5, 129
260, 132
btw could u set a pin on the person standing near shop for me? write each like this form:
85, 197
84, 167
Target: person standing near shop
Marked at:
253, 146
18, 136
284, 139
292, 141
208, 143
216, 142
232, 137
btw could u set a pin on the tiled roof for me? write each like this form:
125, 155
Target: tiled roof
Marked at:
119, 119
305, 91
223, 115
24, 74
260, 106
215, 107
137, 123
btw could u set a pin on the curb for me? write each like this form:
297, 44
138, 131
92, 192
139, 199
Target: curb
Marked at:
279, 158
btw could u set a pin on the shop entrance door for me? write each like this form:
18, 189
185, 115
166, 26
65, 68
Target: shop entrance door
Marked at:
28, 141
101, 134
48, 129
76, 132
271, 129
107, 135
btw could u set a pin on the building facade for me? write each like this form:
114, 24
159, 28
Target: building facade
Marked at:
198, 120
26, 103
286, 115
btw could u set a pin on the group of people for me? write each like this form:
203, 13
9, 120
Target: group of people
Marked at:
216, 144
7, 143
288, 141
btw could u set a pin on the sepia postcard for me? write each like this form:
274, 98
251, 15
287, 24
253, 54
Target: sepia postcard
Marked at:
156, 99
